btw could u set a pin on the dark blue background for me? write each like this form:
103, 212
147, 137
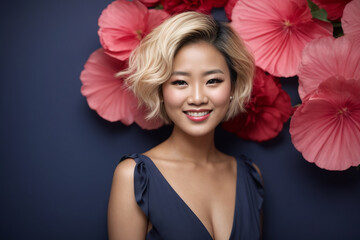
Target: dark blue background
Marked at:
57, 156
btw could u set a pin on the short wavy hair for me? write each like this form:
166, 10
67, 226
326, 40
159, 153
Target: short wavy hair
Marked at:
151, 63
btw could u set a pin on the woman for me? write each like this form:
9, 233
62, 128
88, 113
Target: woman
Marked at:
192, 72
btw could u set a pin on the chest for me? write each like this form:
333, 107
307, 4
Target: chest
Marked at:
206, 195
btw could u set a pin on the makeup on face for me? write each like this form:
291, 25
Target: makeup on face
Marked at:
197, 95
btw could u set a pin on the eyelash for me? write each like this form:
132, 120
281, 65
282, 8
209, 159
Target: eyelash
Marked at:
179, 82
214, 81
211, 82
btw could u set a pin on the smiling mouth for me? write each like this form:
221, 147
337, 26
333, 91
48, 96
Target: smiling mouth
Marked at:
197, 114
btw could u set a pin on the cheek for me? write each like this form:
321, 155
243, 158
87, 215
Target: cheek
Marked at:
222, 96
172, 97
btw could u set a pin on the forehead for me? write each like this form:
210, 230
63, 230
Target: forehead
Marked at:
199, 56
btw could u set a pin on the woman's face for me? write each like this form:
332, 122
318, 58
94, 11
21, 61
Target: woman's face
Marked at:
197, 95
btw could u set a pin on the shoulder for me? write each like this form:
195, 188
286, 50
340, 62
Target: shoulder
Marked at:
125, 169
123, 206
123, 179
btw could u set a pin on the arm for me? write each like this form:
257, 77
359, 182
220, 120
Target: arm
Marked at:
125, 218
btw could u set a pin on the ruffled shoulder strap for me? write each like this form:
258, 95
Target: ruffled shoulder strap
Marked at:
256, 180
141, 181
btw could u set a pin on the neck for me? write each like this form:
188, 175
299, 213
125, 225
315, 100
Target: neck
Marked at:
191, 148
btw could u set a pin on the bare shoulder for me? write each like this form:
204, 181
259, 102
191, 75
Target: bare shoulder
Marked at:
125, 170
123, 206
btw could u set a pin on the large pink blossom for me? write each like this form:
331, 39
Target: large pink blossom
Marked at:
327, 57
326, 127
266, 113
351, 20
334, 8
107, 94
276, 31
124, 23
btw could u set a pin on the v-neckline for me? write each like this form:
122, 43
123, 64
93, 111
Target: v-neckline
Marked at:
187, 206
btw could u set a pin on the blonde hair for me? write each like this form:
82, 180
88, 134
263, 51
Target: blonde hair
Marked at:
150, 64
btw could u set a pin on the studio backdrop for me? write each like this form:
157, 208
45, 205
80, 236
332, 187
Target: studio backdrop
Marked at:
57, 156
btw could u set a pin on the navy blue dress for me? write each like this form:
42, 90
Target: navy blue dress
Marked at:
172, 219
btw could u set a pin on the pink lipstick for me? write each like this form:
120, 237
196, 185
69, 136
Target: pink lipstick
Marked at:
198, 115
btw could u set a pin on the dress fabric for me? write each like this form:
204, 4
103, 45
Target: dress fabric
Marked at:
172, 219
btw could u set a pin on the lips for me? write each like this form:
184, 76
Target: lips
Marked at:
198, 115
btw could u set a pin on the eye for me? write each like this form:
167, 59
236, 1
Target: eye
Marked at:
179, 82
214, 81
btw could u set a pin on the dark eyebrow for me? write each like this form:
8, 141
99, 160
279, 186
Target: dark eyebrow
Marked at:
204, 74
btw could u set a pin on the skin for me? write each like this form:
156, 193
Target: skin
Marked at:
202, 176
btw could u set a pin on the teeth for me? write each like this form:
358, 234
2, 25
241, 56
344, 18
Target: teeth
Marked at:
197, 114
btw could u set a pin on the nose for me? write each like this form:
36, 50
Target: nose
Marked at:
197, 95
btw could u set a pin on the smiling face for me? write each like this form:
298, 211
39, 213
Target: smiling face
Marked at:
197, 95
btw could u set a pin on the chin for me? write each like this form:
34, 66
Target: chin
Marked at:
198, 131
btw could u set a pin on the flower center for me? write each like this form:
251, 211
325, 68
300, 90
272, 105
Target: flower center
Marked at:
287, 23
139, 34
343, 111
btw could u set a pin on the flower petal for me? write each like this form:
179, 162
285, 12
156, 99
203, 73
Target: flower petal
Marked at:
276, 31
219, 3
229, 8
326, 57
156, 17
266, 113
150, 3
121, 27
141, 120
351, 21
326, 127
105, 93
178, 6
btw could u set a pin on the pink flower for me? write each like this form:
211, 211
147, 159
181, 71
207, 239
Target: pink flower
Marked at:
107, 94
124, 23
326, 127
178, 6
150, 3
267, 110
351, 21
276, 31
327, 57
334, 8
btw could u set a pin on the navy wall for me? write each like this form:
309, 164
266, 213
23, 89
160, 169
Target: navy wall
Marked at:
57, 156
